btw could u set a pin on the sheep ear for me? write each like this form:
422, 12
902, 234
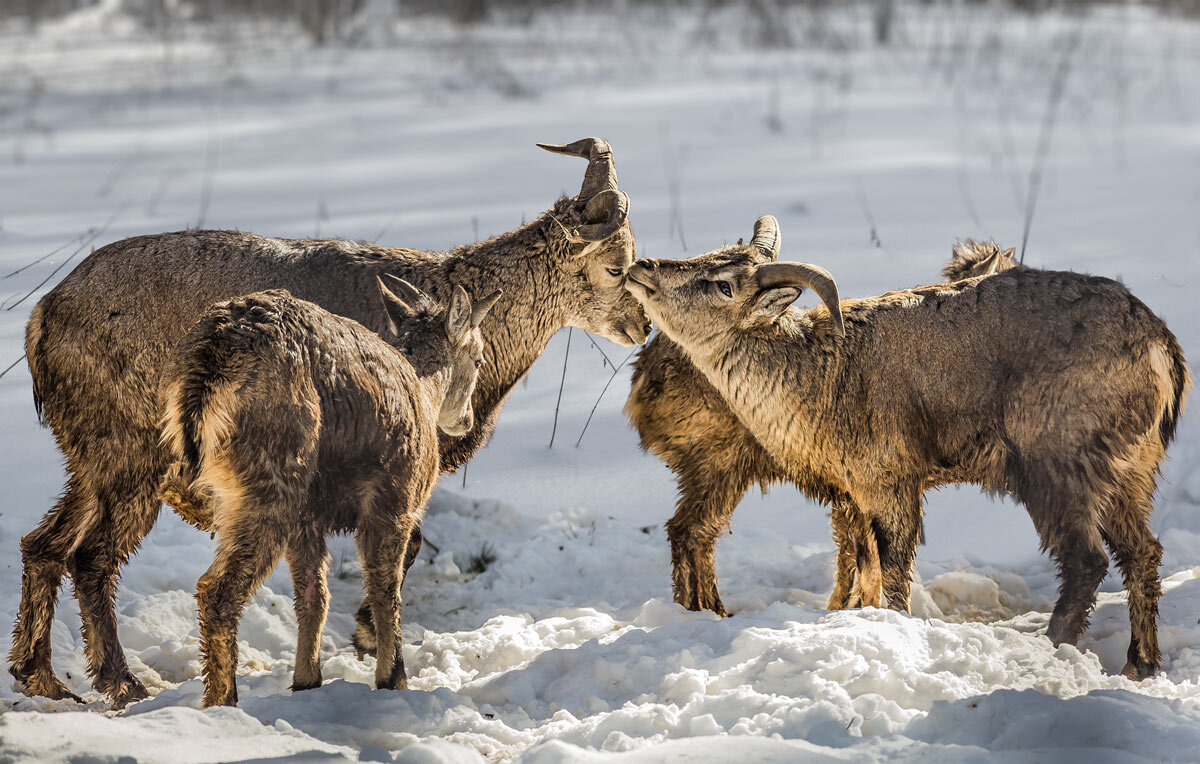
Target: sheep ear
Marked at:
1009, 252
396, 308
458, 317
769, 304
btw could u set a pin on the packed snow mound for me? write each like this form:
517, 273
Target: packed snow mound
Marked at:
167, 736
1005, 726
637, 672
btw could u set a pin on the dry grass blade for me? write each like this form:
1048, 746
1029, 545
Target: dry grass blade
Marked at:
89, 240
29, 265
1057, 87
601, 396
12, 366
561, 383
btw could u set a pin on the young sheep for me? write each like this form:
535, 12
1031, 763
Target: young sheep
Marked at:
681, 418
300, 423
1070, 409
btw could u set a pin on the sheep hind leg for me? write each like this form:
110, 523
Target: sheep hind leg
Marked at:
702, 514
1065, 511
44, 552
308, 561
1138, 554
363, 638
128, 510
1082, 566
383, 555
246, 554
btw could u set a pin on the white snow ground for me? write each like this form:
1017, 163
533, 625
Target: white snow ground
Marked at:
569, 645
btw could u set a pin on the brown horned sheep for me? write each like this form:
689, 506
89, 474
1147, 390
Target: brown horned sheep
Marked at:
299, 424
682, 419
1070, 410
98, 343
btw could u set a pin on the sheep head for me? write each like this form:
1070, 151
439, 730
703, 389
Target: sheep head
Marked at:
435, 337
735, 288
591, 236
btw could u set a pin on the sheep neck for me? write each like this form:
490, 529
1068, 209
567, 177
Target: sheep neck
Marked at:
772, 377
535, 304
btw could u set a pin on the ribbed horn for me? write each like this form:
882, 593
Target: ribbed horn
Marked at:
480, 311
766, 236
609, 209
774, 275
411, 295
601, 173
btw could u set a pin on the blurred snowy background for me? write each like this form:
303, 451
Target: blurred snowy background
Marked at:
877, 132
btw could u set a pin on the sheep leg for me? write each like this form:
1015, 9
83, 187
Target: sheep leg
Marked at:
707, 498
843, 538
176, 491
1138, 554
308, 561
363, 638
43, 552
246, 554
383, 555
364, 629
1082, 565
1064, 507
858, 581
127, 514
897, 531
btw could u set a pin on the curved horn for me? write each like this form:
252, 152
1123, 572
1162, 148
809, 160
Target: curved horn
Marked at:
601, 174
819, 280
611, 208
480, 311
411, 295
766, 236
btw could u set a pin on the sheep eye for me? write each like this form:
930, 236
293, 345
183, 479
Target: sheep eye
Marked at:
479, 363
616, 273
725, 288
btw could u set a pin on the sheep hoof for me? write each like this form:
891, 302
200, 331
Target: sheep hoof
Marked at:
363, 642
46, 685
298, 686
1136, 672
128, 690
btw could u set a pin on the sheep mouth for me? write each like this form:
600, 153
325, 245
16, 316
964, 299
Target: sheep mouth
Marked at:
637, 335
646, 288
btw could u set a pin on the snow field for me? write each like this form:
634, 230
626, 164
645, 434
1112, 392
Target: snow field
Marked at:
568, 647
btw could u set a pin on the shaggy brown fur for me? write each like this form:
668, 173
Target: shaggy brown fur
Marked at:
1069, 411
972, 258
682, 419
99, 341
300, 423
